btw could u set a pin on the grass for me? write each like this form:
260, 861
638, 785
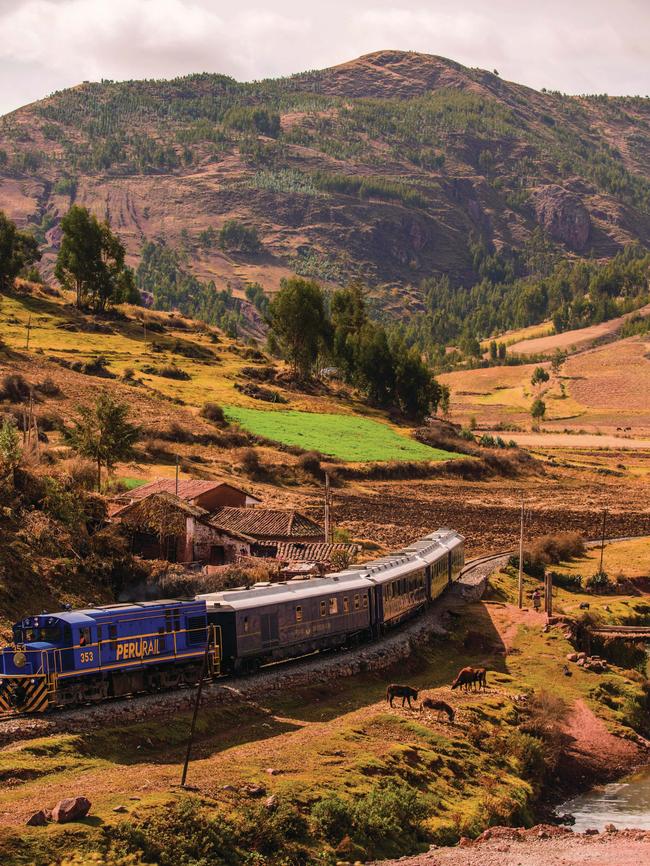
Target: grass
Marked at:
348, 437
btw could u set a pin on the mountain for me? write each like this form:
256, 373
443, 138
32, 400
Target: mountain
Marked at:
385, 167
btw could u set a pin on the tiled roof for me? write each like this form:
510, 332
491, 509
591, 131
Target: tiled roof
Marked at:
294, 551
188, 489
266, 522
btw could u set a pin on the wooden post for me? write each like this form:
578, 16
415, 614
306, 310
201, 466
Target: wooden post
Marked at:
197, 703
548, 594
521, 556
602, 542
29, 328
327, 507
177, 475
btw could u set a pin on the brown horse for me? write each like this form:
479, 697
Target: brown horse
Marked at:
440, 706
464, 679
480, 677
406, 693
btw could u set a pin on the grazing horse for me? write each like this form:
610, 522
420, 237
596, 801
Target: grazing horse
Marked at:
465, 679
480, 677
440, 706
406, 693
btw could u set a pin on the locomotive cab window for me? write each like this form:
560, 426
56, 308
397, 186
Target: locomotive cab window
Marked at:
334, 606
298, 613
84, 637
323, 608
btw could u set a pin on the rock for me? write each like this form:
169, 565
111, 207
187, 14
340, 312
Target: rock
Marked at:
70, 809
228, 788
582, 656
271, 802
581, 663
610, 828
120, 809
39, 819
272, 771
563, 216
591, 831
254, 790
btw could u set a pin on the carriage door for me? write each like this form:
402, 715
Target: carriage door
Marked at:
269, 629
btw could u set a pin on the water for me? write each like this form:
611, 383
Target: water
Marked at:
624, 804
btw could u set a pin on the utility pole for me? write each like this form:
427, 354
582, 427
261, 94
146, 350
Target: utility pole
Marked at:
521, 555
197, 704
177, 475
327, 507
602, 542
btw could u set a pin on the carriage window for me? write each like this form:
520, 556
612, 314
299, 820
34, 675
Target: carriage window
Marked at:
334, 605
356, 602
299, 613
323, 608
346, 605
365, 601
246, 623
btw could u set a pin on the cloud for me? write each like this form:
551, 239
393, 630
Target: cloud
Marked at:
581, 46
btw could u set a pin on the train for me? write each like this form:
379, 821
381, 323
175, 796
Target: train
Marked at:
77, 657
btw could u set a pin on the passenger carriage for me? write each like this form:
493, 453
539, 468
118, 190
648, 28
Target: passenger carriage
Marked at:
269, 622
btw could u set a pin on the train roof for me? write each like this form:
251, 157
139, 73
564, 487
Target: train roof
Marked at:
106, 612
279, 593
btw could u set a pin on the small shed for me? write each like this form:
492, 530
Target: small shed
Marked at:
209, 495
164, 526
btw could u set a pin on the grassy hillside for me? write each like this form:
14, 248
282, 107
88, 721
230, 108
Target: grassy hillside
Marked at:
383, 167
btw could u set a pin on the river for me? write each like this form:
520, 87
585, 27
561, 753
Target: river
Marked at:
625, 804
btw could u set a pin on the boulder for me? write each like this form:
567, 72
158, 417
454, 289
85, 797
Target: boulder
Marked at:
71, 809
610, 828
563, 216
40, 818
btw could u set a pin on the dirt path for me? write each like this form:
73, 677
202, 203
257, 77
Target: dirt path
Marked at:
582, 440
540, 846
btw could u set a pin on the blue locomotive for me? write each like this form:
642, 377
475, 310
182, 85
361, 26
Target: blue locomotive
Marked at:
71, 657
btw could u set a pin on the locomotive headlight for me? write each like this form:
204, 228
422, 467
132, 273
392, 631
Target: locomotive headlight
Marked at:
20, 660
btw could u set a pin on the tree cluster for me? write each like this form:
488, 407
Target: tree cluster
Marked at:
308, 330
18, 250
91, 263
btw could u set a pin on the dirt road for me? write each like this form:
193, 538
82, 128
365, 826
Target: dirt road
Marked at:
540, 846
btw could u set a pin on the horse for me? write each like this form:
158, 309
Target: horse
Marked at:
480, 677
466, 678
440, 706
406, 693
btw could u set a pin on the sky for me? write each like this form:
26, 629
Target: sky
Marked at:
576, 46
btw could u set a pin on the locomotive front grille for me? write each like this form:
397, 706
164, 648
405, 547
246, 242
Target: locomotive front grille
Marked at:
24, 694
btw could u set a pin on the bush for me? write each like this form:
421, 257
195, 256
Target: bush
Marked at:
237, 237
599, 582
533, 567
310, 463
48, 388
213, 412
528, 752
566, 581
250, 462
15, 388
560, 547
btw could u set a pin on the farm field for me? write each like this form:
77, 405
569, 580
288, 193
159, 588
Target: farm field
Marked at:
532, 344
606, 389
347, 437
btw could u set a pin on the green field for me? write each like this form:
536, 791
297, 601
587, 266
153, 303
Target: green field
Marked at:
359, 440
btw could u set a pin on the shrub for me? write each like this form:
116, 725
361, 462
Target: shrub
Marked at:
82, 473
237, 237
560, 547
487, 441
310, 463
599, 582
213, 412
15, 388
528, 752
48, 388
533, 567
169, 371
566, 581
250, 462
